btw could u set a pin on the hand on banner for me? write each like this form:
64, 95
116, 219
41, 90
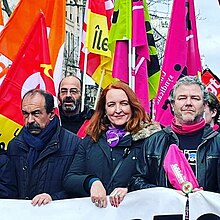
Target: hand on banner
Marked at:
197, 189
40, 199
117, 196
98, 194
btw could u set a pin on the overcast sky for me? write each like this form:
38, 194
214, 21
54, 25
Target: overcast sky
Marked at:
208, 30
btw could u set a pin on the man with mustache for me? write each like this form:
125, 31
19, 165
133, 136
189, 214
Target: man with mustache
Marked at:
43, 150
69, 96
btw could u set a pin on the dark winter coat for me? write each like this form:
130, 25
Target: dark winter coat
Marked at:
50, 168
8, 188
73, 123
97, 159
150, 163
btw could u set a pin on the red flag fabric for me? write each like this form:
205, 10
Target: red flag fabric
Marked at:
31, 69
19, 24
212, 82
181, 56
1, 15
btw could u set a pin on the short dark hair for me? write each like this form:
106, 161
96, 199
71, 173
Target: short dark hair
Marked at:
213, 104
49, 100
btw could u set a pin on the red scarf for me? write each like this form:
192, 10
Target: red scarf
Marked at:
215, 127
186, 129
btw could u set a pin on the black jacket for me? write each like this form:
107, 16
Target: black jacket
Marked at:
97, 159
50, 168
73, 123
8, 188
150, 162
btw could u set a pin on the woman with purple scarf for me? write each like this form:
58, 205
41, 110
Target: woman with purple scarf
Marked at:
107, 157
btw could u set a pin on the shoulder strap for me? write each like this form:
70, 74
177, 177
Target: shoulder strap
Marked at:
125, 154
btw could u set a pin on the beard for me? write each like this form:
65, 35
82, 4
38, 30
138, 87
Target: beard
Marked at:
70, 105
189, 118
34, 128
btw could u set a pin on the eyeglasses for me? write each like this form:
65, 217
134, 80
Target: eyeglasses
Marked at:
72, 91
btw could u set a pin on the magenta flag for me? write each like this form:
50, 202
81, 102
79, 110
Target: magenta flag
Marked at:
178, 170
120, 65
181, 56
139, 41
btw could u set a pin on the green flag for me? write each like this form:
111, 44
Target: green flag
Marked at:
121, 22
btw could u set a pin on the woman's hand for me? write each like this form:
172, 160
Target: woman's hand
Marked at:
98, 194
117, 196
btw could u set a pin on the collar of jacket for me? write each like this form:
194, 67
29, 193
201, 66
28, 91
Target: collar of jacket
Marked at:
208, 133
146, 131
85, 114
52, 144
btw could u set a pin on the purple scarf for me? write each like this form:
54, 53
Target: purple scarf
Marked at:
114, 135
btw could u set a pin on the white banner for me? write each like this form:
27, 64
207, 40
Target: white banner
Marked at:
142, 204
204, 205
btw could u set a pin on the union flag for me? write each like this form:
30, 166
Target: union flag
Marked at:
31, 69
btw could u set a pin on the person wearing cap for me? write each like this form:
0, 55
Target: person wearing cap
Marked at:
107, 157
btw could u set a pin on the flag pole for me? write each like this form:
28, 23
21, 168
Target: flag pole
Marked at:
133, 68
99, 88
131, 78
84, 79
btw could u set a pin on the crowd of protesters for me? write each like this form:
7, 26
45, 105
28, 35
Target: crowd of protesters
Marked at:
122, 148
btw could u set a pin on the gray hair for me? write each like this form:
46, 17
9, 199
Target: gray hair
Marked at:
189, 80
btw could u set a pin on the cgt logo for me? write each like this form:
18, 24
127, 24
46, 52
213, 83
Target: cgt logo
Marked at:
33, 81
213, 86
5, 63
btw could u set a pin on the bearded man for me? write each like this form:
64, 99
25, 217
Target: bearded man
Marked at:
189, 131
70, 98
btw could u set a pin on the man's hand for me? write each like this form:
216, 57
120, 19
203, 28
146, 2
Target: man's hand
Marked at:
40, 199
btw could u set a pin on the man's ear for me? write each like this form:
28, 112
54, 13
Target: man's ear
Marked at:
52, 114
214, 112
58, 100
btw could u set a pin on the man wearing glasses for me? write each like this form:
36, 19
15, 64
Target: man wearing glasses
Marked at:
70, 98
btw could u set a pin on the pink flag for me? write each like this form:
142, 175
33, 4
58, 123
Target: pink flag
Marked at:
178, 170
139, 41
181, 55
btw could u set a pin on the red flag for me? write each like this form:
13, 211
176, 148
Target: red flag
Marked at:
31, 69
212, 82
19, 24
1, 15
181, 55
